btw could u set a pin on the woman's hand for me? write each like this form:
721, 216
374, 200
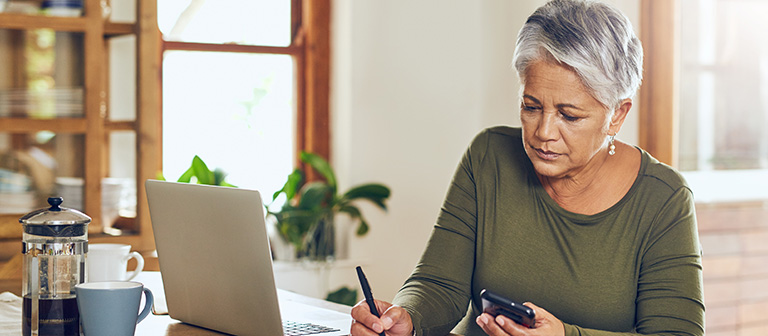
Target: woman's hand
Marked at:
546, 324
395, 320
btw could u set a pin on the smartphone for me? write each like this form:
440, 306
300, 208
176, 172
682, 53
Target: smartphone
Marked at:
495, 304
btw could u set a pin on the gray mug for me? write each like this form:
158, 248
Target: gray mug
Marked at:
112, 307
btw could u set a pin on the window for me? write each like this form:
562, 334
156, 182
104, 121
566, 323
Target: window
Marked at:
241, 82
724, 98
720, 141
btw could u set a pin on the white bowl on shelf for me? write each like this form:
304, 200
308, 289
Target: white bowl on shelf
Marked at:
71, 189
70, 8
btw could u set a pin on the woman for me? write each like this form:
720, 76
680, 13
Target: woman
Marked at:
596, 235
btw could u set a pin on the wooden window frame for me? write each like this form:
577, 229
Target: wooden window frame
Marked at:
659, 105
313, 107
310, 47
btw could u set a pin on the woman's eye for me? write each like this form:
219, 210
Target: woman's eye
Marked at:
530, 108
569, 117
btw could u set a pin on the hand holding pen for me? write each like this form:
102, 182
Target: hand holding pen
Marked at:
366, 288
366, 321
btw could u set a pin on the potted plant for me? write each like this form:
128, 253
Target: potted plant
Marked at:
201, 174
306, 220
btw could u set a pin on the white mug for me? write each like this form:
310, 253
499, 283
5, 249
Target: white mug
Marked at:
108, 262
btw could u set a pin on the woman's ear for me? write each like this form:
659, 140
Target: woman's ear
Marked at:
619, 115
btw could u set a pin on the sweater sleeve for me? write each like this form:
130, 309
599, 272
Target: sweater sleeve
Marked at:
438, 291
669, 293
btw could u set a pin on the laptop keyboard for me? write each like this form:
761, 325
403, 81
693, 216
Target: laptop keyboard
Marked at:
291, 328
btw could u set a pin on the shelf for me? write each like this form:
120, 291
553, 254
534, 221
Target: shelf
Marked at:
24, 22
26, 125
90, 133
71, 24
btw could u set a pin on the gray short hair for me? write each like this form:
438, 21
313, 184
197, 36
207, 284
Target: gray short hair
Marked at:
593, 38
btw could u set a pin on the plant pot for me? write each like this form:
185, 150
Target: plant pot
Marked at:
320, 243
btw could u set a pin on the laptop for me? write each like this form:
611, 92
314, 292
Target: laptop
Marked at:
216, 264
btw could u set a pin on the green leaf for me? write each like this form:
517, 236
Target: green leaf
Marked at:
203, 174
362, 229
291, 186
351, 210
374, 192
321, 166
293, 224
160, 176
343, 295
218, 178
355, 214
291, 233
187, 176
314, 195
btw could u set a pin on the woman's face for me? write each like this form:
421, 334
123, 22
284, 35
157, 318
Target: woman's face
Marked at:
564, 127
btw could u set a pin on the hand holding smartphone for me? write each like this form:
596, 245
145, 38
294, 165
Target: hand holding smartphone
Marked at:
495, 304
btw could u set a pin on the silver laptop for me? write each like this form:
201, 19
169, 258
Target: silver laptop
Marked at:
216, 264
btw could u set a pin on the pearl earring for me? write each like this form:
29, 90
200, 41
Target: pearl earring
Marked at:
611, 146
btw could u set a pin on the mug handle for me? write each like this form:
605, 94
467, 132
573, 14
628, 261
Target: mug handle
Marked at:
149, 299
139, 264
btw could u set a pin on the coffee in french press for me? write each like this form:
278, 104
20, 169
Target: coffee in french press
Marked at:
54, 245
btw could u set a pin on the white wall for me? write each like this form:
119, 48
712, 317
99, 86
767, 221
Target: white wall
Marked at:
413, 82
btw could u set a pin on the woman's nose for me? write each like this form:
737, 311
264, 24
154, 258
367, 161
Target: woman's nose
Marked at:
547, 130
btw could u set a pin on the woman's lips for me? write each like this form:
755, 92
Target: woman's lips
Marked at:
546, 155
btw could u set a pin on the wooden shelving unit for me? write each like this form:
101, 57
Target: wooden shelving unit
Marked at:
95, 125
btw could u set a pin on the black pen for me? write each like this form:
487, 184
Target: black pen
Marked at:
367, 293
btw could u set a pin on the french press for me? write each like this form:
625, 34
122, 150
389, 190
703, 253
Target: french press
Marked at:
54, 245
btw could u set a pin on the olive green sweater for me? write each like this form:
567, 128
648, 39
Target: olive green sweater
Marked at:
633, 268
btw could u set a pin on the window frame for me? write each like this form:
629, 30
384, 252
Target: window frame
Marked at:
310, 45
659, 106
310, 49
